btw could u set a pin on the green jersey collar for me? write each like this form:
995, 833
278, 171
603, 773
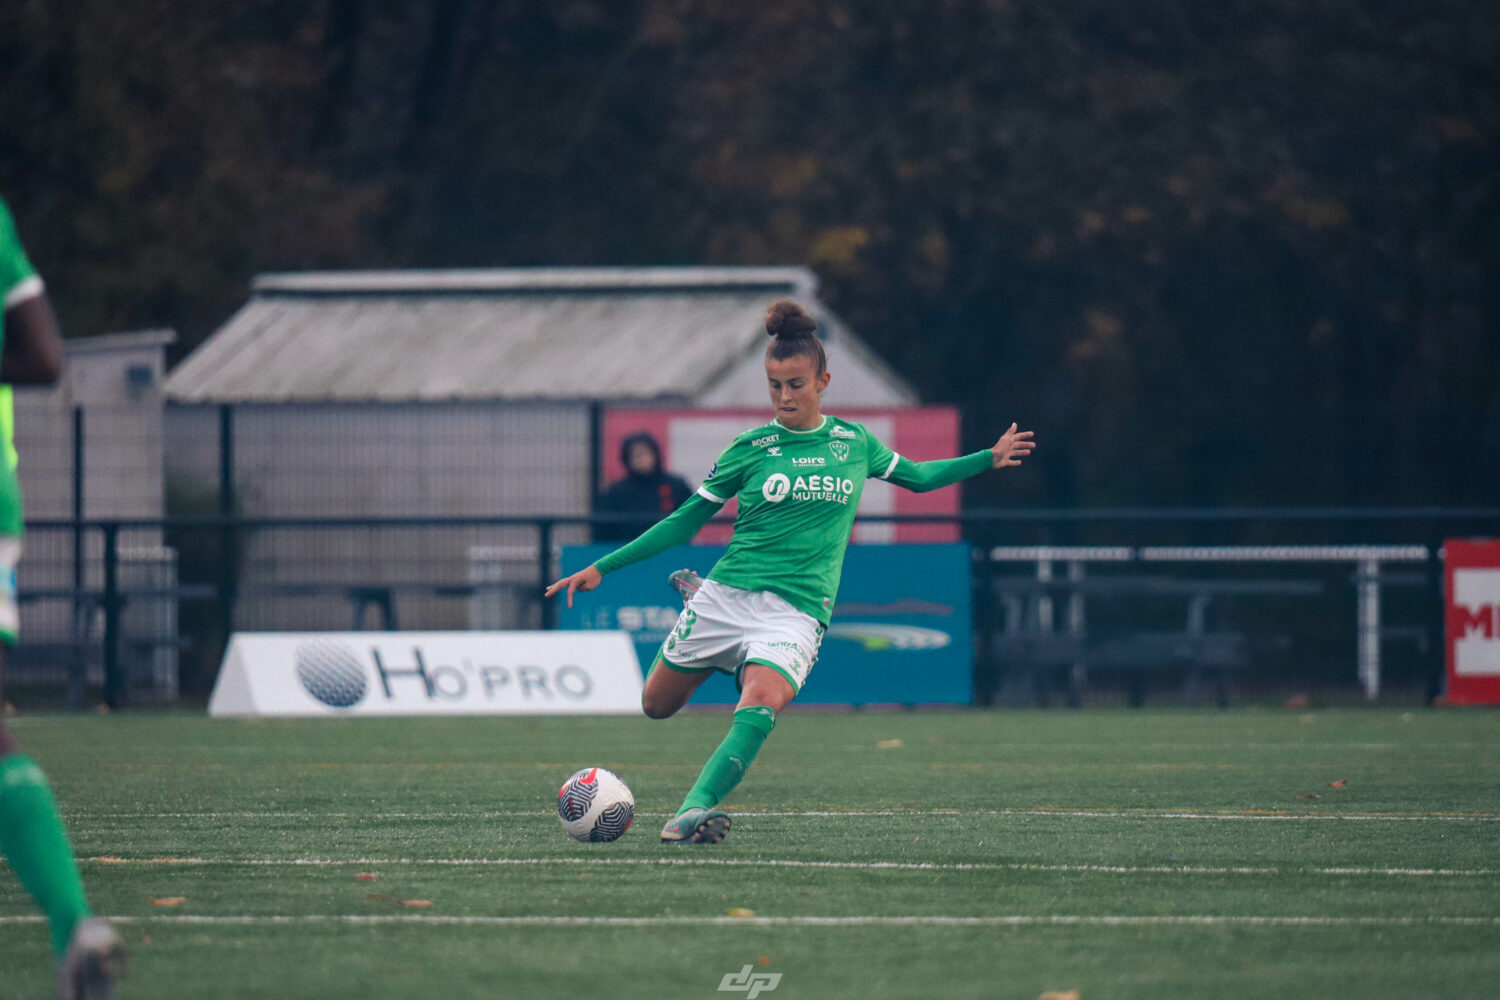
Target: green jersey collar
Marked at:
792, 430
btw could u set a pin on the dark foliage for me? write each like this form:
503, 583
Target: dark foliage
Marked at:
1235, 253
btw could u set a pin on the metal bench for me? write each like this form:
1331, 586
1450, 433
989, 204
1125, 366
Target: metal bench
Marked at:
1032, 639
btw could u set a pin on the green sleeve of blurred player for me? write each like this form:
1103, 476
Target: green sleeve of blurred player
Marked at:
18, 282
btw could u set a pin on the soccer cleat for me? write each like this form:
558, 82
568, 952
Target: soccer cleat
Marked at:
687, 583
696, 826
94, 960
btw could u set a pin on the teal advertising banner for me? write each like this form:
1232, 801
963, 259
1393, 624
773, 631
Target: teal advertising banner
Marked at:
900, 633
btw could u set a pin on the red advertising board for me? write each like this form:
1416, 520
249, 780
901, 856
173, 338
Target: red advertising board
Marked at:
692, 439
1472, 588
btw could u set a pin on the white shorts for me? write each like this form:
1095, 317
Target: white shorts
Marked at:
724, 628
10, 611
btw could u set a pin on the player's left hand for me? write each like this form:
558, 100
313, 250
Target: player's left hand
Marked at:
1013, 446
585, 579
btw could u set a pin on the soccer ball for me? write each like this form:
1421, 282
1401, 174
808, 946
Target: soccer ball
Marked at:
595, 806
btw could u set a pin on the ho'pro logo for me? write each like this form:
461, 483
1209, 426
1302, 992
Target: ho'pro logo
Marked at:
331, 673
776, 487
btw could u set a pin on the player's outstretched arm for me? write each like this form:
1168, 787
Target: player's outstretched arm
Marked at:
585, 579
920, 477
676, 528
1013, 446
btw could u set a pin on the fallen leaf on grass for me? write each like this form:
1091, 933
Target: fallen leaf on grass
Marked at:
889, 744
366, 876
763, 960
1060, 995
169, 901
418, 903
1307, 795
740, 911
1337, 784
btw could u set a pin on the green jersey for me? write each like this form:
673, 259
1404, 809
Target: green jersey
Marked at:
798, 492
18, 282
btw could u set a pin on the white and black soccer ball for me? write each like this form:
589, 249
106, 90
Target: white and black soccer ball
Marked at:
595, 806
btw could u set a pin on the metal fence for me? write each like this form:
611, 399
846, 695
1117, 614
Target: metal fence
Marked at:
1082, 606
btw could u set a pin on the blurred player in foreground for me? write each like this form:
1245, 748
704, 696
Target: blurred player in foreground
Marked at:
90, 953
762, 611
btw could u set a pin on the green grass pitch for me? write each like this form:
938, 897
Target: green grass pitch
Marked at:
962, 854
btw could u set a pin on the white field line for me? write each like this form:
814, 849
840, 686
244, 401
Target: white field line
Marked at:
1228, 816
997, 920
918, 866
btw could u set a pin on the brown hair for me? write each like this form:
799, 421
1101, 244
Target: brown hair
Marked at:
795, 333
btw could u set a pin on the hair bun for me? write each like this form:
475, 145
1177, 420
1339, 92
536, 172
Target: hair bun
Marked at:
787, 320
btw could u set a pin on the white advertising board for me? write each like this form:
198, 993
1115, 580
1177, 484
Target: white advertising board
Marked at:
333, 674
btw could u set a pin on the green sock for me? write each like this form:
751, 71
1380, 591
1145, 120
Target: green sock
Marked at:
733, 758
33, 841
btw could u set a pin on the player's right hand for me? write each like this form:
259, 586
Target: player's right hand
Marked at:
585, 579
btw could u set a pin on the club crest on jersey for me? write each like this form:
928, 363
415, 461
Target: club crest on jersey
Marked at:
840, 449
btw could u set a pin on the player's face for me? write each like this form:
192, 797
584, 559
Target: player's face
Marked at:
795, 390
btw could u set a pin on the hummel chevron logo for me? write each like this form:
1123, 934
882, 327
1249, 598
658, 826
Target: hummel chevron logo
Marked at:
753, 984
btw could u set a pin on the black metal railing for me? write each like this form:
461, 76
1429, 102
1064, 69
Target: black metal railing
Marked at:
108, 602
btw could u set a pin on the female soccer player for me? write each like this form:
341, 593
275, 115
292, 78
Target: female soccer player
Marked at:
762, 611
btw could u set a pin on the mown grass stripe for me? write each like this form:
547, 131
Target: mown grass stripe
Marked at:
994, 920
1257, 816
792, 863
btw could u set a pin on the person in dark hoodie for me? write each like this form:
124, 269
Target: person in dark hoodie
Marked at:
646, 489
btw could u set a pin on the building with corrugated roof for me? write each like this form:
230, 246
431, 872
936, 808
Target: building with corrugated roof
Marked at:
576, 334
463, 393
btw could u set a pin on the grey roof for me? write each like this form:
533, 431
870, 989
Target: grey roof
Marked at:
128, 341
573, 333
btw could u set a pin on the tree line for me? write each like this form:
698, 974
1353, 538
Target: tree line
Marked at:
1236, 253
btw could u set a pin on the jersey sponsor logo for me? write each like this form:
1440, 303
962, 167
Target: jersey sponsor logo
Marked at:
842, 432
810, 460
712, 471
776, 487
830, 488
840, 450
768, 439
774, 452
